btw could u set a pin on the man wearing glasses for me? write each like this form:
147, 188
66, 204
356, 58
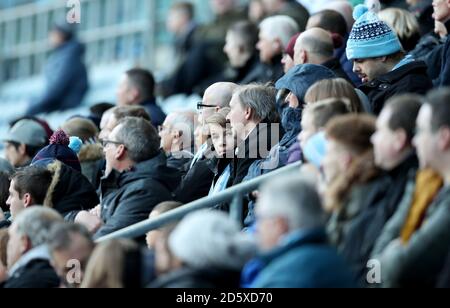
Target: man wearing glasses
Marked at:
197, 182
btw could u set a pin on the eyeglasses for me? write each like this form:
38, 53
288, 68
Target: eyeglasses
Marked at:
200, 106
105, 142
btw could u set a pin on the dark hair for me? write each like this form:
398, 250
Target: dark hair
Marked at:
248, 33
4, 190
4, 238
186, 7
60, 235
131, 111
30, 150
140, 138
405, 109
440, 103
332, 21
34, 181
144, 82
99, 109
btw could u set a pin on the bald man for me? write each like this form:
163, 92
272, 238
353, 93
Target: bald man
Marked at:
316, 46
197, 182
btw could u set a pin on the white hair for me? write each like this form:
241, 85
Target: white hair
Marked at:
36, 222
294, 199
279, 27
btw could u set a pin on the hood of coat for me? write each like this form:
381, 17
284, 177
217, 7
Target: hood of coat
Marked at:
91, 152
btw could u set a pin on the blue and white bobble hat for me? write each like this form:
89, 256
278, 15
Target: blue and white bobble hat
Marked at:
371, 37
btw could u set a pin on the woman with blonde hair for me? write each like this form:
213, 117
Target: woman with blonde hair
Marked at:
118, 264
335, 88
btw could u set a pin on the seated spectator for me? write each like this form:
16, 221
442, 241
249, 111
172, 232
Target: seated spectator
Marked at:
197, 182
380, 61
4, 238
335, 88
139, 179
289, 53
332, 20
97, 111
292, 239
66, 77
57, 186
177, 139
274, 36
316, 46
224, 145
160, 209
91, 152
28, 255
137, 87
405, 26
23, 141
395, 155
118, 264
4, 193
243, 59
353, 183
70, 246
442, 14
194, 264
251, 118
289, 8
414, 245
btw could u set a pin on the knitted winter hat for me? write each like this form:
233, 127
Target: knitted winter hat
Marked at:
290, 49
59, 150
371, 37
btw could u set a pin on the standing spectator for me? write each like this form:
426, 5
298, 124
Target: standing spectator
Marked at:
381, 63
292, 238
289, 8
139, 178
65, 73
28, 255
67, 243
23, 141
274, 36
137, 87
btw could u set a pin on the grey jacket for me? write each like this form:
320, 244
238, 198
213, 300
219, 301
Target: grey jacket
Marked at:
419, 262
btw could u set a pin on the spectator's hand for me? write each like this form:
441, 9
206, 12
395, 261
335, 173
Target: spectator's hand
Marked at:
97, 211
90, 221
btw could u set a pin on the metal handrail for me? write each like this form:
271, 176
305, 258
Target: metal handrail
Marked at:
234, 193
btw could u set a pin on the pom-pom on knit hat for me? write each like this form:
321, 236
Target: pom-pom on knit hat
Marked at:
371, 37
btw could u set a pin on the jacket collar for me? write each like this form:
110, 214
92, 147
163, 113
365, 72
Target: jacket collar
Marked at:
38, 253
296, 240
396, 75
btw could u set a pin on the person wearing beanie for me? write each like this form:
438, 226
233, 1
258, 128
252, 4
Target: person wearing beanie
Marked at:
59, 149
65, 74
288, 57
316, 46
379, 60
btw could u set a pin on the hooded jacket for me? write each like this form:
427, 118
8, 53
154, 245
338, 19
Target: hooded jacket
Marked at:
129, 197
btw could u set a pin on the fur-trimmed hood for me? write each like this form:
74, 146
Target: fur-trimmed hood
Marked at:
70, 191
91, 152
